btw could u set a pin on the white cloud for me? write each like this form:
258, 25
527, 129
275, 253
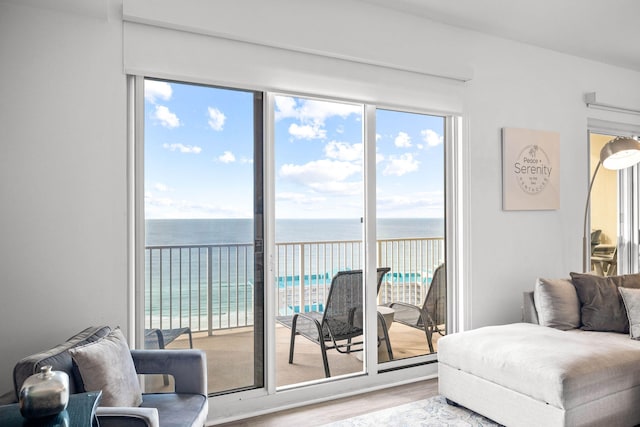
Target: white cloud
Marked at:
337, 187
154, 89
166, 207
431, 137
320, 110
227, 157
423, 204
324, 176
344, 151
188, 149
161, 187
312, 110
402, 140
285, 107
307, 131
216, 118
311, 114
400, 165
298, 198
166, 117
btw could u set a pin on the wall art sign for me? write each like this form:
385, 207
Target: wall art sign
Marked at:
530, 169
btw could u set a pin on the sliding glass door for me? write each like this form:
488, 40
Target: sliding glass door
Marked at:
207, 224
203, 273
410, 179
318, 149
627, 201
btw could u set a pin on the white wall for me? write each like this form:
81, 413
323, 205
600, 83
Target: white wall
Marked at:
63, 162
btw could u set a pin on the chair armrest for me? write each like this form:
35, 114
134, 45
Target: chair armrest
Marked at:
188, 367
405, 305
127, 417
409, 307
421, 316
8, 398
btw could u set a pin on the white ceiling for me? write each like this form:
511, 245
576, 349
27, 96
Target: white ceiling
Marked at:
602, 30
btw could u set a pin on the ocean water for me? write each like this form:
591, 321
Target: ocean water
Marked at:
215, 231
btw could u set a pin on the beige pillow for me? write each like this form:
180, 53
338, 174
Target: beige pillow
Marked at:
631, 299
107, 365
557, 303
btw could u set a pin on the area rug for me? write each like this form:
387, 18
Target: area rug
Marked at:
432, 412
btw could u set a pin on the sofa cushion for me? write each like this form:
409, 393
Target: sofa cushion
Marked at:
557, 303
565, 369
58, 357
631, 299
107, 365
602, 306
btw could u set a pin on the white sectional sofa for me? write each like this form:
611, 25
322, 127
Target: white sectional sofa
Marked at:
576, 363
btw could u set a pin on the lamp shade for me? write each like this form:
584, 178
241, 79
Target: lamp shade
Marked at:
620, 153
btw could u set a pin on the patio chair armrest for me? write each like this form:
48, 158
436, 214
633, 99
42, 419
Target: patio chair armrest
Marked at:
308, 318
129, 417
188, 367
405, 305
422, 315
307, 334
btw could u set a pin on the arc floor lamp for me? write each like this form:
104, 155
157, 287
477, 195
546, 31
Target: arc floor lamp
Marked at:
619, 153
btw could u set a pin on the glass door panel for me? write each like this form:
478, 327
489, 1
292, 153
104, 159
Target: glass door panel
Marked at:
410, 181
203, 279
603, 212
318, 237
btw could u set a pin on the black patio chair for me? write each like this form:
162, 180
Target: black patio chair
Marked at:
160, 338
341, 321
433, 313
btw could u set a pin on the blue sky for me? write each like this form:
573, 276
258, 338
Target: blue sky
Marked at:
199, 157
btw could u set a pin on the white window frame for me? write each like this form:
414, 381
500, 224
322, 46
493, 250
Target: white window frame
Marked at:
377, 375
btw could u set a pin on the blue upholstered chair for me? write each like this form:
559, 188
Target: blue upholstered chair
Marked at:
187, 406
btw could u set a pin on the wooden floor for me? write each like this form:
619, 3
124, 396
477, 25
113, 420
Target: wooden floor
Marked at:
336, 410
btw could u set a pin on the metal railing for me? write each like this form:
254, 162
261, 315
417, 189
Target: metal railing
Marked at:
210, 287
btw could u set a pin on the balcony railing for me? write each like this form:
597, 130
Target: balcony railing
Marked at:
210, 287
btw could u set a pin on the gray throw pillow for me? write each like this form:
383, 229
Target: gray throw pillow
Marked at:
602, 306
557, 303
631, 298
107, 365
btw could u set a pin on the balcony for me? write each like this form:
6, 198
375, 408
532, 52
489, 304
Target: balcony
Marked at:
210, 289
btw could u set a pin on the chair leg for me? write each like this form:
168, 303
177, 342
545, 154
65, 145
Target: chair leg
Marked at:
428, 329
190, 338
385, 331
429, 332
292, 343
325, 361
323, 348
